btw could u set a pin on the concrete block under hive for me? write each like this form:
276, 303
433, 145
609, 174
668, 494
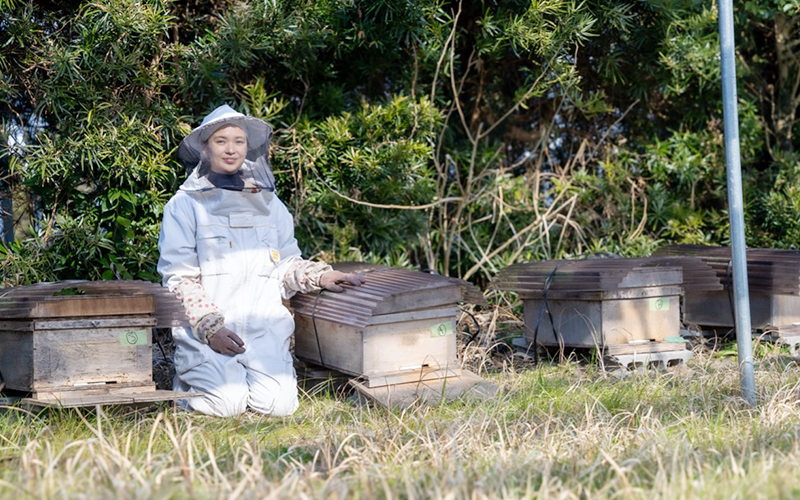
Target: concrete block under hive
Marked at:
627, 309
398, 328
82, 343
774, 287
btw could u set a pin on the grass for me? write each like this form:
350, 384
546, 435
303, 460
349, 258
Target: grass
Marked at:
553, 431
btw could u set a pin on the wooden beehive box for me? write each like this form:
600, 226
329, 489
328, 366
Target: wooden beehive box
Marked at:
398, 327
768, 312
74, 350
620, 307
604, 318
773, 277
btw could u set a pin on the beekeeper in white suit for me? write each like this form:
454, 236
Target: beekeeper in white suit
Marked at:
228, 252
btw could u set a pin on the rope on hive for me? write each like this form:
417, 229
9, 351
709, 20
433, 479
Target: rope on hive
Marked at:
557, 335
314, 323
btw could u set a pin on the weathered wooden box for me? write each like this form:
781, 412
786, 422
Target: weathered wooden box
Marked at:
768, 312
398, 327
604, 318
389, 349
773, 277
83, 349
627, 310
66, 346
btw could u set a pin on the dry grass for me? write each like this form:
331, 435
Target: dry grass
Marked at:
554, 431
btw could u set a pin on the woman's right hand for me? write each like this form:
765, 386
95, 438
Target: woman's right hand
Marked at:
226, 342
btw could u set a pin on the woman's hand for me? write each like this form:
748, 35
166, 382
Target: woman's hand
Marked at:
331, 279
226, 342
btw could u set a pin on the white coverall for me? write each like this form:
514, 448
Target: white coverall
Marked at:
240, 245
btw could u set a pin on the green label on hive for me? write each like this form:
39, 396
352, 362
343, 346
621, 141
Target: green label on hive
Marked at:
659, 304
133, 338
442, 329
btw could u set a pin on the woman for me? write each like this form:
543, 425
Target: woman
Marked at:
227, 250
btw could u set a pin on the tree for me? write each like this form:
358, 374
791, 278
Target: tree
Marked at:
455, 136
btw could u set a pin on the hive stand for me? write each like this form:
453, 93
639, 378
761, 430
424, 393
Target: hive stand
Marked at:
94, 347
395, 334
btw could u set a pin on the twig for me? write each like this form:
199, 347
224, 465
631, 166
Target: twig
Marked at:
450, 38
610, 127
457, 92
564, 226
530, 227
396, 207
515, 106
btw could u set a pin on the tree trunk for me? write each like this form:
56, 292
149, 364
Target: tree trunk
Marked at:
6, 220
22, 210
787, 94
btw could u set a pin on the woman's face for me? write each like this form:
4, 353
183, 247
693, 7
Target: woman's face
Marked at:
226, 149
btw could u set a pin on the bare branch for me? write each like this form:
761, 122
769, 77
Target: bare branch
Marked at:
608, 130
538, 223
457, 92
450, 39
393, 207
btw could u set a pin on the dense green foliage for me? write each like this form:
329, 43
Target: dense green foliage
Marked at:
455, 136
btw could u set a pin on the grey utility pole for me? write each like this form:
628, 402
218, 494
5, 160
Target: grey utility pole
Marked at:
735, 201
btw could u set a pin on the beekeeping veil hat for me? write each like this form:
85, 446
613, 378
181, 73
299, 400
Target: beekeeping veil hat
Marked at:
255, 173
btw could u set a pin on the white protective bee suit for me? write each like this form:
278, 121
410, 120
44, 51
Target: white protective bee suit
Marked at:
227, 249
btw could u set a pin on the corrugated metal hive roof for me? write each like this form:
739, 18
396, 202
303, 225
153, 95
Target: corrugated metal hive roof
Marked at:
387, 290
769, 270
600, 275
91, 298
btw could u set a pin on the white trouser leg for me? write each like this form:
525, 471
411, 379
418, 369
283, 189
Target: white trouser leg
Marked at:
271, 378
220, 378
262, 378
273, 393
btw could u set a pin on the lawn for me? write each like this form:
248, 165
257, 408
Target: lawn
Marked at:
564, 430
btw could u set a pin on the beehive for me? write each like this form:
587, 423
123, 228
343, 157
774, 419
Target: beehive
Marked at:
92, 345
398, 327
774, 284
618, 306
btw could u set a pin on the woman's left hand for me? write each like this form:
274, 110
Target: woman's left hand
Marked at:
331, 279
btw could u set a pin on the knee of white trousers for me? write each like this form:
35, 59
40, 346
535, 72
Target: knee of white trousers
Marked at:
281, 406
221, 400
276, 396
231, 402
277, 407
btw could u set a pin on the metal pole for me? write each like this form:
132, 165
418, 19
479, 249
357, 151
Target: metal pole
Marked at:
735, 201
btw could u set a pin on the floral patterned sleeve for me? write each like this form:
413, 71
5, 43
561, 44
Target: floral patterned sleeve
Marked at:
204, 316
303, 275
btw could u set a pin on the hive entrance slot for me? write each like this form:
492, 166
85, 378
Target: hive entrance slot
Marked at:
413, 367
86, 384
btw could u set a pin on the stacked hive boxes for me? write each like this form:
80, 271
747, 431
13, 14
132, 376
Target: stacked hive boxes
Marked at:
774, 284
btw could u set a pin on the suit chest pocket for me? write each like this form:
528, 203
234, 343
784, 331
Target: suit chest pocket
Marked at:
213, 251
